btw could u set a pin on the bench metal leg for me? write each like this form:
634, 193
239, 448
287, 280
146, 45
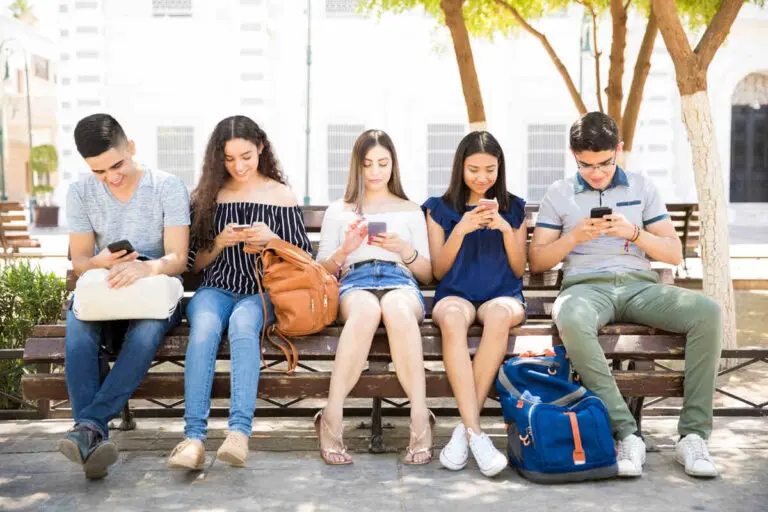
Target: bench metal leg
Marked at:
127, 422
377, 432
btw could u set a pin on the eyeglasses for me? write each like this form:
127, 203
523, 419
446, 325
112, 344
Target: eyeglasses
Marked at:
596, 167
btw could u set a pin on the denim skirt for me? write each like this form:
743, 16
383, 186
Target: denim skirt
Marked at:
379, 277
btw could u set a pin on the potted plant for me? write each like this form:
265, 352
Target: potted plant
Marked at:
44, 161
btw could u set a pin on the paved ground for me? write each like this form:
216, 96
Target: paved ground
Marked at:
285, 473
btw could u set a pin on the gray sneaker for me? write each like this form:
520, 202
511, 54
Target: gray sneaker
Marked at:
86, 446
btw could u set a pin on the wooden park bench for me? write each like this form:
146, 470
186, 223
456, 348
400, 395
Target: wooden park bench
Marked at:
14, 231
631, 348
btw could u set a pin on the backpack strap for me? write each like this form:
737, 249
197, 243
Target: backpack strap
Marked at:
579, 457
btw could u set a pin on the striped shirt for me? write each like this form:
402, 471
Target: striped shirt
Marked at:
234, 269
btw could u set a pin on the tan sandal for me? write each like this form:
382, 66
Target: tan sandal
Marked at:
321, 424
429, 450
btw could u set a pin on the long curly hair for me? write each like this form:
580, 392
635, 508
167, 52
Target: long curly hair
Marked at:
215, 175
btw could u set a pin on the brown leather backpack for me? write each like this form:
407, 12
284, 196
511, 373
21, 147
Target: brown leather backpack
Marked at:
305, 295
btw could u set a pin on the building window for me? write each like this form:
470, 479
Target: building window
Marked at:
42, 67
547, 149
87, 30
86, 5
83, 54
250, 27
251, 2
64, 32
66, 128
250, 77
172, 8
658, 99
341, 8
65, 81
63, 8
658, 122
88, 103
66, 104
341, 138
175, 152
251, 52
442, 140
251, 102
88, 79
658, 148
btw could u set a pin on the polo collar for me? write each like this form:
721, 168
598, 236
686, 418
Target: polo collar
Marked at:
619, 179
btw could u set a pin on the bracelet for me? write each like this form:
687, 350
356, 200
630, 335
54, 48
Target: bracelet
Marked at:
636, 235
412, 258
339, 266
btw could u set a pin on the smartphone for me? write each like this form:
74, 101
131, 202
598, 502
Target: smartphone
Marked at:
490, 204
599, 212
122, 245
376, 228
240, 227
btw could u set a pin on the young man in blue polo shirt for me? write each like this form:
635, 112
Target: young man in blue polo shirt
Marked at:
608, 278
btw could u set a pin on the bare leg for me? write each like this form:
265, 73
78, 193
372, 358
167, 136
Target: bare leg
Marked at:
361, 314
401, 312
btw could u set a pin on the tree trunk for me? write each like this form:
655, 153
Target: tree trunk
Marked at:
635, 97
715, 250
454, 19
614, 92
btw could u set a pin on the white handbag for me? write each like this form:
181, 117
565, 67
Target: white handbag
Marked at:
155, 297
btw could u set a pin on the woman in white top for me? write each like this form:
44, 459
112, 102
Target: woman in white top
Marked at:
378, 283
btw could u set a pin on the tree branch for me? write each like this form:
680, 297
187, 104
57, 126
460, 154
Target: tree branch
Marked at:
597, 58
635, 97
470, 85
626, 5
717, 31
615, 90
575, 96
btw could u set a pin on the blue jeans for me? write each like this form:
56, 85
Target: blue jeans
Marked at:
95, 403
209, 312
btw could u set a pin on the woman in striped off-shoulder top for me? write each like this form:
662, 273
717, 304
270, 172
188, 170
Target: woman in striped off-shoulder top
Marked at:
242, 199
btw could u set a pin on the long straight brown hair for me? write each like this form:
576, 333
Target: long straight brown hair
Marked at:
355, 193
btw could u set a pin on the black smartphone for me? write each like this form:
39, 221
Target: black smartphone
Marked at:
122, 245
599, 212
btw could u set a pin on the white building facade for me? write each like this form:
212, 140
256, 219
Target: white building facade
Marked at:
168, 70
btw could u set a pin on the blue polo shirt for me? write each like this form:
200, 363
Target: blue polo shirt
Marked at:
569, 200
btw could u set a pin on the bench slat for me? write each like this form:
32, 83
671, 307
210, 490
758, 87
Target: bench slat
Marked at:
624, 341
315, 385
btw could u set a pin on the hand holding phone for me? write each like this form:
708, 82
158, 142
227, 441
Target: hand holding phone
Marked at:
238, 228
488, 204
122, 245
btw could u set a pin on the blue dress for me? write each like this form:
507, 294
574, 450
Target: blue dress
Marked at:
481, 271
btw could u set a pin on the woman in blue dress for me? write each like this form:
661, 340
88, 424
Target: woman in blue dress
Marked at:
477, 239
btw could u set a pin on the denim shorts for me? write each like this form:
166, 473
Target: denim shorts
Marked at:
379, 277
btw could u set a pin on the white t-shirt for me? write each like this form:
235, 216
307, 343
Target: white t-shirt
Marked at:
410, 224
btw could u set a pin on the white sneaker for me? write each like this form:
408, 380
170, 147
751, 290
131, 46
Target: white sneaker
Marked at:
490, 460
691, 451
455, 454
631, 456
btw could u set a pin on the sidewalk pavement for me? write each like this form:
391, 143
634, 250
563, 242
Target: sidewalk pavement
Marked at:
284, 472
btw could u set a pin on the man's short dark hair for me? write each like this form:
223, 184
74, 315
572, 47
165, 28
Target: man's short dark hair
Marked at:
594, 131
97, 134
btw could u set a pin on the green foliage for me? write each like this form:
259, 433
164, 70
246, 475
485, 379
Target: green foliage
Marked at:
38, 190
19, 8
28, 296
43, 159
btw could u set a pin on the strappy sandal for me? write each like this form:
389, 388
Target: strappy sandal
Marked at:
429, 450
321, 424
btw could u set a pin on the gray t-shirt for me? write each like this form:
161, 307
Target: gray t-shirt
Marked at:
159, 201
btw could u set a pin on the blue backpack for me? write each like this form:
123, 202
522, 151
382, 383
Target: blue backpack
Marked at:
557, 430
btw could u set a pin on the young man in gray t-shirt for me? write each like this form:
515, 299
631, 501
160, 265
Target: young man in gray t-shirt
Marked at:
120, 200
608, 278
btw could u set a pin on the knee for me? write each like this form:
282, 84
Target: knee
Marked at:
397, 306
574, 317
708, 317
452, 317
147, 334
498, 315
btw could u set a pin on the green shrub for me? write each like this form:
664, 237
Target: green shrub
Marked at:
28, 296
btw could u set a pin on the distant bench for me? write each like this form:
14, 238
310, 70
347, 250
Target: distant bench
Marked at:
14, 231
